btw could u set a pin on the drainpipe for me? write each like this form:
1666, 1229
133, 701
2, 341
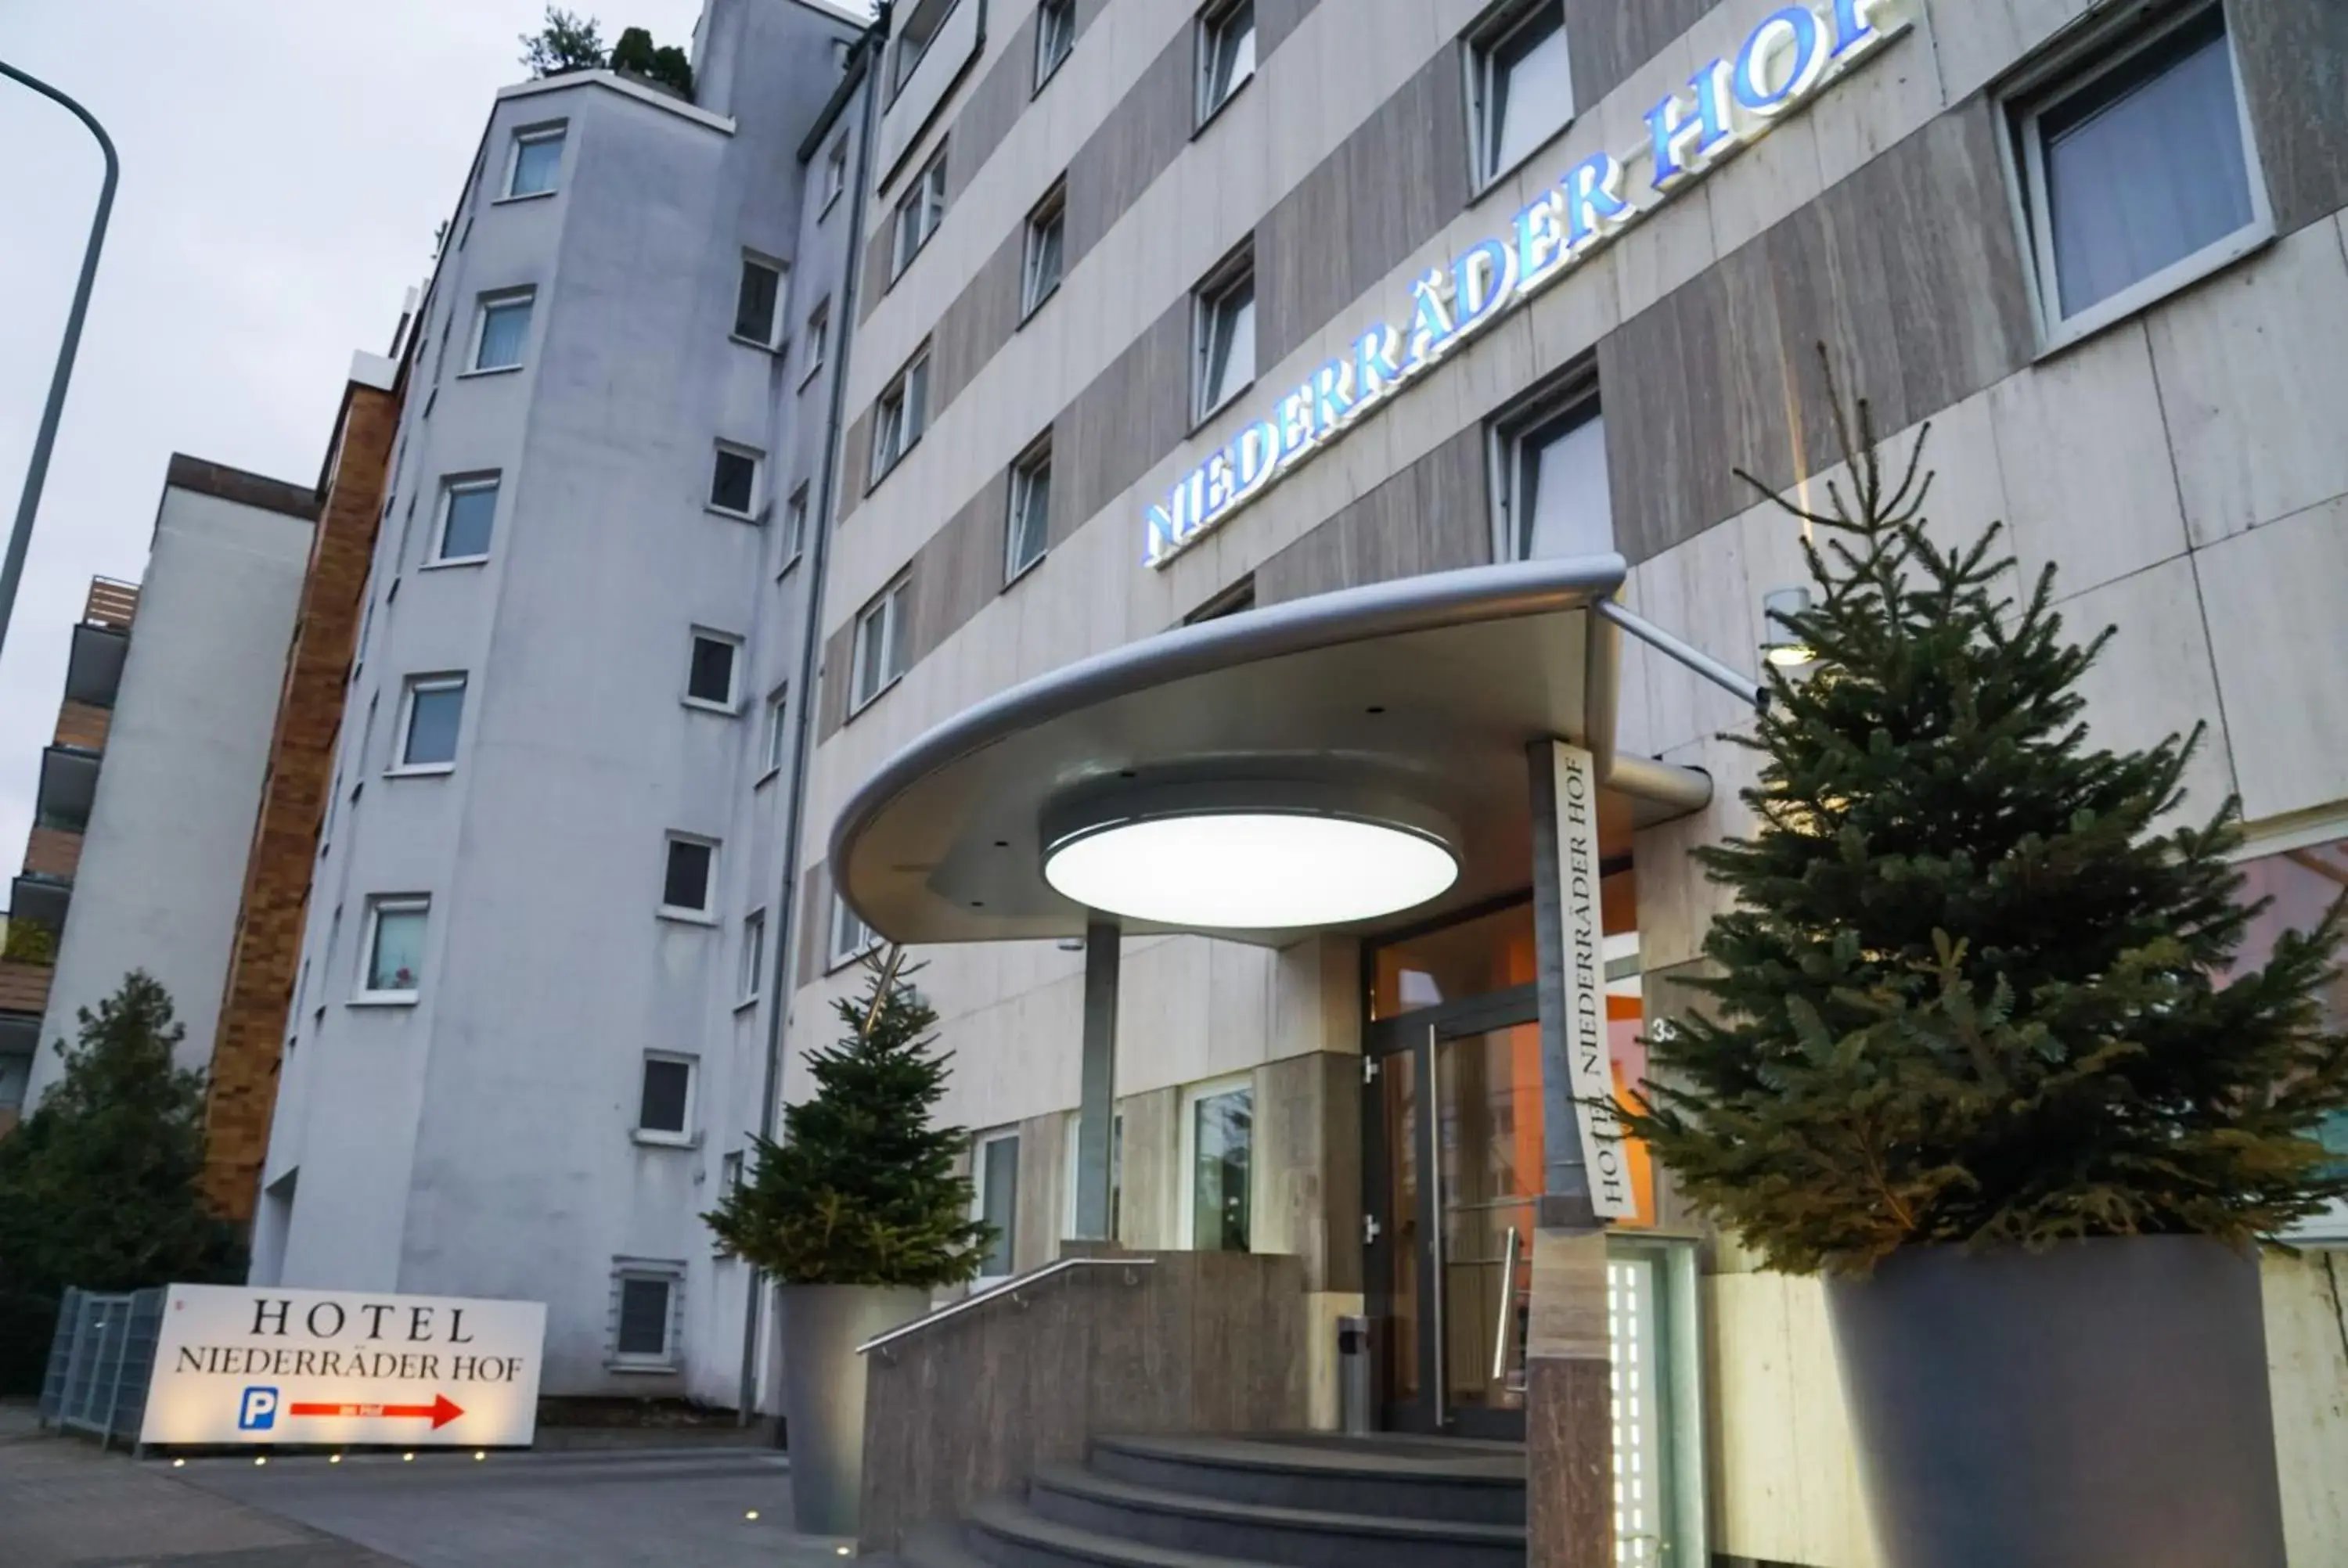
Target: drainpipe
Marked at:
786, 929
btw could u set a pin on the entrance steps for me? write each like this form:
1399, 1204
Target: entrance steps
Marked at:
1311, 1500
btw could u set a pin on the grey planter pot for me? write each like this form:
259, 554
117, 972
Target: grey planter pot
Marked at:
823, 1392
2101, 1405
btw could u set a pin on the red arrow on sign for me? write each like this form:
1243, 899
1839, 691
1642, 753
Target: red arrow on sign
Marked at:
442, 1411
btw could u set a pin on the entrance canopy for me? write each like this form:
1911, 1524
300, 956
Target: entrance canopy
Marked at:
1403, 709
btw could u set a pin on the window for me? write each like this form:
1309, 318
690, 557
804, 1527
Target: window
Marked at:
818, 338
1239, 596
795, 514
758, 302
1224, 313
778, 738
1056, 34
881, 642
919, 213
537, 159
754, 956
851, 936
501, 331
1226, 53
898, 418
645, 1300
435, 705
729, 1174
835, 170
1520, 87
995, 1167
664, 1107
685, 877
1030, 527
1549, 479
734, 481
1219, 1134
468, 509
922, 22
2139, 173
1116, 1173
709, 672
394, 950
1046, 230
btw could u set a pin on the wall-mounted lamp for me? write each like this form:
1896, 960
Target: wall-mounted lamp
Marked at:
1780, 644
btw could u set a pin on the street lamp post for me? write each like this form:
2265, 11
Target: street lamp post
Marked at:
21, 536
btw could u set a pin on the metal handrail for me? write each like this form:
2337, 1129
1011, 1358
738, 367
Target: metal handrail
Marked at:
1011, 1287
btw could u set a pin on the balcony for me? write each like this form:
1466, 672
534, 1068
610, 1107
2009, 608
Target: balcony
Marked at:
68, 788
83, 726
53, 854
111, 602
39, 899
25, 988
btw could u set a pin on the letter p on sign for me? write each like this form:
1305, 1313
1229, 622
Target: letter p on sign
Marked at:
257, 1410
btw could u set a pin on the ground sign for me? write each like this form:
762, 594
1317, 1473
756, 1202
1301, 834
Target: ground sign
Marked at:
240, 1365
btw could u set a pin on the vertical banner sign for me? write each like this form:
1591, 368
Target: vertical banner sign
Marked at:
1603, 1154
242, 1365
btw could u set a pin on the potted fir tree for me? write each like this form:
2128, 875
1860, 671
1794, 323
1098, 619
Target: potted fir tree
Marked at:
1976, 1051
857, 1216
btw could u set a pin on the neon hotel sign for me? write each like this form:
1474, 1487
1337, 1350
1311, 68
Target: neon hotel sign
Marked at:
1794, 53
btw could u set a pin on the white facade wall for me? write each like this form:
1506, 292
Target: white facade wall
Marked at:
162, 861
481, 1139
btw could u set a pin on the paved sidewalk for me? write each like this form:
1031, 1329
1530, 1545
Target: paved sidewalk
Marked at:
65, 1505
64, 1502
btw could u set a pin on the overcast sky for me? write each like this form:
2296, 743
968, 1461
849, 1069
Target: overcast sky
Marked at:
284, 163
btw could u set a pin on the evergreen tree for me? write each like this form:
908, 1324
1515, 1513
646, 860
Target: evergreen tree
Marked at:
569, 42
862, 1189
1970, 991
667, 65
98, 1187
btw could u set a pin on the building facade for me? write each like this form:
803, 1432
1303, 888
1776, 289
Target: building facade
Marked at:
148, 797
532, 1015
1170, 311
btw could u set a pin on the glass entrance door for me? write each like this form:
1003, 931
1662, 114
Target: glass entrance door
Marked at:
1453, 1151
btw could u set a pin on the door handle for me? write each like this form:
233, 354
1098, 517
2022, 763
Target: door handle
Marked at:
1507, 1308
1442, 1400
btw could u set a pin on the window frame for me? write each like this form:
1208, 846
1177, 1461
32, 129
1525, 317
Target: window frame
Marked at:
795, 521
1484, 44
1233, 272
451, 487
524, 135
838, 950
1208, 29
489, 299
921, 212
1047, 66
818, 341
719, 451
1554, 409
399, 767
733, 641
889, 603
2075, 68
379, 905
835, 175
683, 1136
900, 416
776, 740
1192, 1095
1035, 461
979, 1144
706, 913
750, 977
772, 341
1050, 215
670, 1277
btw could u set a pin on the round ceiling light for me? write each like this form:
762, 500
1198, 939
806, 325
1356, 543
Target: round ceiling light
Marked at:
1237, 867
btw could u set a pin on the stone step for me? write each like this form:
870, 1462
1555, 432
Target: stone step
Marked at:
1472, 1483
